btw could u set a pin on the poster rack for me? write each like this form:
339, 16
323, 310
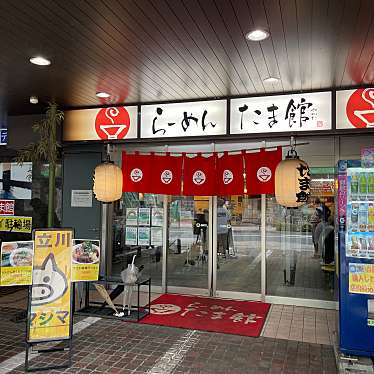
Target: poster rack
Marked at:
54, 345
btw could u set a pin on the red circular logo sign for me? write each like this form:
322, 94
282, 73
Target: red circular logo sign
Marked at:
360, 108
112, 123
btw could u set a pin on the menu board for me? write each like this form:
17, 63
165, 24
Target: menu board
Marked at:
132, 216
144, 218
16, 263
131, 236
85, 260
360, 213
144, 235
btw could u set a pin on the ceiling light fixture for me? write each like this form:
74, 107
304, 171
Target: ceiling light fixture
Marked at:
34, 99
271, 80
102, 94
258, 34
39, 60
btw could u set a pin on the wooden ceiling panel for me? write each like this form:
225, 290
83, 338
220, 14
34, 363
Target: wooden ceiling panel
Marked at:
166, 50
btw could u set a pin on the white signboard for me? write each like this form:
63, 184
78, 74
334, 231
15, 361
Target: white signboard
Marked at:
355, 109
200, 118
112, 123
81, 198
283, 113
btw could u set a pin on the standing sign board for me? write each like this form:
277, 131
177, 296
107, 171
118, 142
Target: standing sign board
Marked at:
282, 113
200, 118
50, 302
355, 109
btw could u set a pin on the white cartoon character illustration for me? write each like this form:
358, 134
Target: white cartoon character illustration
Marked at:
50, 282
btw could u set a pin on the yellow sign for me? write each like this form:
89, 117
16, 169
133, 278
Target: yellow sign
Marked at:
361, 278
16, 224
16, 263
85, 260
50, 310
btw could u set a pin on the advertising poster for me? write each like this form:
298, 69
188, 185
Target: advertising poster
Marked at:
85, 260
16, 224
144, 236
50, 305
157, 216
16, 263
131, 216
367, 157
131, 236
361, 278
156, 236
144, 218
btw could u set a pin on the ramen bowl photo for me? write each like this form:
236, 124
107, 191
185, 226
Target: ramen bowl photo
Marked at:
86, 253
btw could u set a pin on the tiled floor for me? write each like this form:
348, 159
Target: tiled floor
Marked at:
301, 324
294, 340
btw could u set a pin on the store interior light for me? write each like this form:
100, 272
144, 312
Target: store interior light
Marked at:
39, 60
258, 34
271, 80
102, 94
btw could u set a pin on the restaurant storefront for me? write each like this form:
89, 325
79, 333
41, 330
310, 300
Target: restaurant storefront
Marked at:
243, 246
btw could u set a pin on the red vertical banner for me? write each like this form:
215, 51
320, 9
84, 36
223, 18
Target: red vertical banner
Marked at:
230, 174
136, 170
166, 175
199, 176
260, 171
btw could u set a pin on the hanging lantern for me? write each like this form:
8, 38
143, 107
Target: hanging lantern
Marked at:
107, 182
292, 181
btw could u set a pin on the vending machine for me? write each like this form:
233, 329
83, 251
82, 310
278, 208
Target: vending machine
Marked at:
355, 250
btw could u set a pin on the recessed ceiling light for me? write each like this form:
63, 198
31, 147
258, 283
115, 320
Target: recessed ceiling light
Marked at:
258, 35
34, 99
271, 80
102, 94
39, 60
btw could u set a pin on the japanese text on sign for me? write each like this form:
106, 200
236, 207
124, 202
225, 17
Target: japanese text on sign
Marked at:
50, 314
304, 183
183, 119
7, 207
16, 224
213, 312
298, 112
361, 278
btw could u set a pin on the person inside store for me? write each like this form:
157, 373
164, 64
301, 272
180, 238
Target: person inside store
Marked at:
323, 212
223, 219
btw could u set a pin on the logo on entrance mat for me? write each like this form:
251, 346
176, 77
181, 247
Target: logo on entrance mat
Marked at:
164, 309
228, 176
112, 123
360, 108
136, 175
264, 174
166, 176
199, 177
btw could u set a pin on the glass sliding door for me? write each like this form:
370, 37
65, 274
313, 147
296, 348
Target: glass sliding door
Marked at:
188, 243
238, 226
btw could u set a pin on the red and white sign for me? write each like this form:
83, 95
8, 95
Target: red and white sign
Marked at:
166, 174
355, 109
136, 173
199, 176
7, 207
230, 178
112, 123
260, 170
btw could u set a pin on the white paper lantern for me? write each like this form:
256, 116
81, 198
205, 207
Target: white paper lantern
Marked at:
107, 182
292, 182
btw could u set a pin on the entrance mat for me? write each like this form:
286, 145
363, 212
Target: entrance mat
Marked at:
208, 314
